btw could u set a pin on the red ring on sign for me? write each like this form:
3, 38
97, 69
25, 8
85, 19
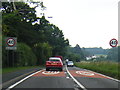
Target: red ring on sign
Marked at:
13, 43
111, 44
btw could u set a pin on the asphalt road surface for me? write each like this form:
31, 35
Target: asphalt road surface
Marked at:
71, 78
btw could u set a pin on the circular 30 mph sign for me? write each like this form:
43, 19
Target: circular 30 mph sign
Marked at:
113, 42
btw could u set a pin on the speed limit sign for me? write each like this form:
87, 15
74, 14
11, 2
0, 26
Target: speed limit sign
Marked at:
113, 42
11, 43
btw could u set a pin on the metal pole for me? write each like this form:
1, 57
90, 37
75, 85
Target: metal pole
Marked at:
7, 58
13, 58
14, 7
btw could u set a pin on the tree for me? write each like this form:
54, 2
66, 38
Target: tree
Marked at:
113, 54
118, 53
43, 51
26, 55
79, 51
44, 39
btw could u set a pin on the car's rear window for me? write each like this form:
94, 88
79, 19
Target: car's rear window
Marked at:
70, 62
54, 60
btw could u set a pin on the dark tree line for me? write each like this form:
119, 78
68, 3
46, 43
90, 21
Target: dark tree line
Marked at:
37, 39
113, 54
75, 54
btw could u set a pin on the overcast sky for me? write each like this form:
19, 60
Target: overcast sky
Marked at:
89, 23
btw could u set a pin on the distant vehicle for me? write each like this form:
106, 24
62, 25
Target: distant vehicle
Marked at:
54, 63
70, 63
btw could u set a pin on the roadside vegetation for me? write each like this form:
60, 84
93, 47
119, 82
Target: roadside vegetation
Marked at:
105, 67
13, 69
37, 38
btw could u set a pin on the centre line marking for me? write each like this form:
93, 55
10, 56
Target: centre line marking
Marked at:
79, 84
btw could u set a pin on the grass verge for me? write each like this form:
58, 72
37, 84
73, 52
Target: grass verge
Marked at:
13, 69
107, 68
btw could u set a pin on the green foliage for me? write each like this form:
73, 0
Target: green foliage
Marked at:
113, 54
95, 50
85, 52
74, 57
43, 51
118, 53
79, 51
4, 53
13, 69
105, 67
23, 56
75, 53
26, 56
34, 35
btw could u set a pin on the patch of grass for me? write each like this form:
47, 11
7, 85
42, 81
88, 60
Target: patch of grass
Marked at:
104, 67
12, 69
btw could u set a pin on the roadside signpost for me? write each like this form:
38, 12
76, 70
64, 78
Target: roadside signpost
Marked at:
11, 43
11, 46
113, 42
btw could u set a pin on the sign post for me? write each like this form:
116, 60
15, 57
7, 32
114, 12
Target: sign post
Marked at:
11, 46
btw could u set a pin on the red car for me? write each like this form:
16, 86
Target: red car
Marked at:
54, 63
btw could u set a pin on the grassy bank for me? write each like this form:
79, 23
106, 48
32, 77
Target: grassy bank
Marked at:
107, 68
12, 69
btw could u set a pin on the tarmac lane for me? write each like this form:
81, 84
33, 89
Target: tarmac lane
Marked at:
47, 80
71, 78
92, 80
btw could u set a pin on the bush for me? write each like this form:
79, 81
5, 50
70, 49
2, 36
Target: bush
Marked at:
26, 56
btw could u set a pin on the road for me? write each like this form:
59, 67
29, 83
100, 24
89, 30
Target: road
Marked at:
71, 78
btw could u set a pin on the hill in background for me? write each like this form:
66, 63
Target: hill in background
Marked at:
95, 51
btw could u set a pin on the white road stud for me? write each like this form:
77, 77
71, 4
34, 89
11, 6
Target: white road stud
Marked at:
85, 73
50, 72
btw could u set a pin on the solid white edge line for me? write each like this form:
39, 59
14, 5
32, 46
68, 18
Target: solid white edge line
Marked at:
105, 76
75, 80
12, 86
109, 77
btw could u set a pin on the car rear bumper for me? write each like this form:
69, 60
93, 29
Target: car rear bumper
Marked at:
54, 67
70, 65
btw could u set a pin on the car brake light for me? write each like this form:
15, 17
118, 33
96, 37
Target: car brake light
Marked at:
59, 63
48, 62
